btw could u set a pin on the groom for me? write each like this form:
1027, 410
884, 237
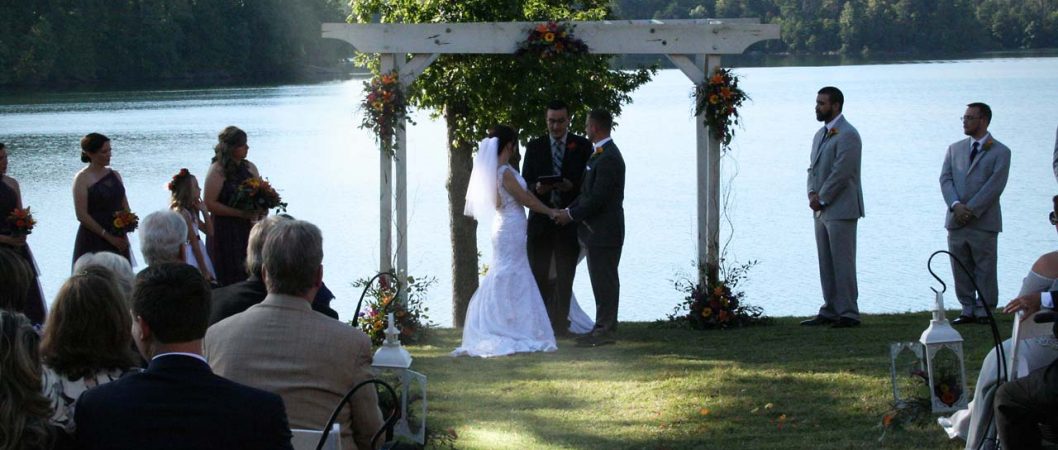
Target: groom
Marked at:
599, 212
560, 156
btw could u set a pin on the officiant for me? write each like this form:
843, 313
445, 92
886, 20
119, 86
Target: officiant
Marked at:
553, 167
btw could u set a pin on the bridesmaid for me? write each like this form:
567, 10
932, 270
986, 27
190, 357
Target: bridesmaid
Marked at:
231, 226
98, 193
11, 198
185, 198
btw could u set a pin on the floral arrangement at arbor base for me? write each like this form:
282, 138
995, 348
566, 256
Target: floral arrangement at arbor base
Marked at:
718, 304
718, 99
551, 40
125, 222
21, 221
409, 315
257, 193
384, 108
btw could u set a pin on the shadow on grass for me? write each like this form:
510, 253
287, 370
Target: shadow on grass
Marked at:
781, 386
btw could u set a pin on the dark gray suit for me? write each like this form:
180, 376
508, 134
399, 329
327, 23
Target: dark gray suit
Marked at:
599, 210
834, 175
978, 186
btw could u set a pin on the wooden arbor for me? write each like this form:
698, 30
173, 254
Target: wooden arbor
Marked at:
694, 46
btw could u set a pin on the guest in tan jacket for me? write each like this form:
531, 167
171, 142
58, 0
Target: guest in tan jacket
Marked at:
282, 346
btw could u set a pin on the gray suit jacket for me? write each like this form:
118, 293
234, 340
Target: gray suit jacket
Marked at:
977, 185
834, 172
599, 208
282, 346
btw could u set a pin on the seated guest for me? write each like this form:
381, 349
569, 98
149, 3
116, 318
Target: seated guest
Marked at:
235, 298
119, 267
282, 346
177, 402
162, 237
24, 410
15, 279
972, 424
87, 340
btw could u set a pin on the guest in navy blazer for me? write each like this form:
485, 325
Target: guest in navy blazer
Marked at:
177, 402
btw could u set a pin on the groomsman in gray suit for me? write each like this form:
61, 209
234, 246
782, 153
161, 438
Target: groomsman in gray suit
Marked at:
836, 199
972, 179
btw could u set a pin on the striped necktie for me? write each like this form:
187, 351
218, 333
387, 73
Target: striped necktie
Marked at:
556, 156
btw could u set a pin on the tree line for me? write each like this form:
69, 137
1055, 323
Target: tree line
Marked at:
121, 42
877, 26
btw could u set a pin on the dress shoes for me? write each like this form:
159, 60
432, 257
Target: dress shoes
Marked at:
963, 320
596, 339
817, 321
845, 322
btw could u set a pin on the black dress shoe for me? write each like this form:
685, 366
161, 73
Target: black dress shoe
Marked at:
963, 320
845, 322
817, 321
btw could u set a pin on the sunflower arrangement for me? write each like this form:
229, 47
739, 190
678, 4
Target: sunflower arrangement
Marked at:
551, 40
384, 107
717, 304
718, 99
125, 222
410, 314
256, 193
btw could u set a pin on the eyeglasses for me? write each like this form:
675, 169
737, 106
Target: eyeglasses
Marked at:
968, 118
1052, 218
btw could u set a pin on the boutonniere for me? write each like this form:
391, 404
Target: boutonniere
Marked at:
597, 152
988, 144
833, 132
570, 145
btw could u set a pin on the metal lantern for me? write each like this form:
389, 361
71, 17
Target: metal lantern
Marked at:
944, 362
393, 361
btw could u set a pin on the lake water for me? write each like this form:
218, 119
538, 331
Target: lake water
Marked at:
304, 138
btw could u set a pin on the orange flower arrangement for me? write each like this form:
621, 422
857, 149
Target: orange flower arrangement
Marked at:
21, 221
551, 40
717, 305
384, 107
719, 98
409, 314
125, 222
257, 193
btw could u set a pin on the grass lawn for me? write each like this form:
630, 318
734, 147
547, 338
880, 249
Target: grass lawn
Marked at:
774, 387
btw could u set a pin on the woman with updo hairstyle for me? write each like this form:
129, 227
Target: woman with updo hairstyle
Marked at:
87, 341
231, 226
98, 193
24, 410
186, 200
11, 199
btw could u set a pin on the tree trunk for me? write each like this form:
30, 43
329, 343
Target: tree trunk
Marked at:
463, 229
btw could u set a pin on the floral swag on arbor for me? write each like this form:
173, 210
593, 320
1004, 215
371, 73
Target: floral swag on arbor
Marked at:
385, 108
551, 40
718, 99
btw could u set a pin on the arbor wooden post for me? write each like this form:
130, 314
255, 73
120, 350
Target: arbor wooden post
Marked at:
387, 64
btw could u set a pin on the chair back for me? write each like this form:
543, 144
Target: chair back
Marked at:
1024, 328
308, 439
387, 426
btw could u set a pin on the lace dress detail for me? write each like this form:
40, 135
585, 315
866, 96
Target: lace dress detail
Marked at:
506, 315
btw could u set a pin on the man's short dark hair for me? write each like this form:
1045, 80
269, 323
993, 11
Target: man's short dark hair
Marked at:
174, 299
834, 95
985, 110
556, 105
601, 118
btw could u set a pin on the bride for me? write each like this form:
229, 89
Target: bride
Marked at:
506, 315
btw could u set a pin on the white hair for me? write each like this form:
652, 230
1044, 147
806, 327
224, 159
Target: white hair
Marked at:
162, 235
113, 262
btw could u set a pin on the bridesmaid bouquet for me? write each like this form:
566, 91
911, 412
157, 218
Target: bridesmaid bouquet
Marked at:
257, 193
125, 222
21, 221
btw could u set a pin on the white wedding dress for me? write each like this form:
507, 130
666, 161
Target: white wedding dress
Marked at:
507, 315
